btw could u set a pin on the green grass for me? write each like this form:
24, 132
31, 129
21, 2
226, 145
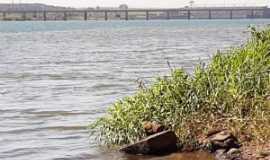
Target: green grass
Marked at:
231, 92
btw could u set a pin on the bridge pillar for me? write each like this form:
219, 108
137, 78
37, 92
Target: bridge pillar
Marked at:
23, 16
65, 16
106, 15
126, 15
4, 15
188, 14
231, 14
252, 13
147, 15
85, 15
168, 14
44, 15
35, 14
209, 14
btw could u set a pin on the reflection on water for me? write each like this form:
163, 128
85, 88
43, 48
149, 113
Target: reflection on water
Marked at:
200, 155
176, 156
56, 77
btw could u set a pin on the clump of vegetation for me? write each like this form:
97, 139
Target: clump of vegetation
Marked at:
232, 91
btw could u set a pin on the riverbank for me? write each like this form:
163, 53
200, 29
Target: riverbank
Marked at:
256, 151
231, 92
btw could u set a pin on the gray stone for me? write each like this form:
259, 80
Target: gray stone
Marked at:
233, 151
223, 140
213, 132
232, 143
221, 154
232, 154
221, 136
160, 143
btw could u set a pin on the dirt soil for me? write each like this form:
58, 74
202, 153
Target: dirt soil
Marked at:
253, 151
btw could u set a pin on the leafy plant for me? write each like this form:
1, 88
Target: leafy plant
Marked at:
230, 92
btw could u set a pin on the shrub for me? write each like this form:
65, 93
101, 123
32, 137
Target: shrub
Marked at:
230, 92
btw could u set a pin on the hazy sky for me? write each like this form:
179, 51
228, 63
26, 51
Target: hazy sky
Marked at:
142, 3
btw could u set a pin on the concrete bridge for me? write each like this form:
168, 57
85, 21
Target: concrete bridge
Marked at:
147, 14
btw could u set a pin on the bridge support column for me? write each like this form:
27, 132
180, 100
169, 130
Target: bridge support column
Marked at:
106, 15
4, 15
35, 14
147, 15
231, 14
23, 16
168, 15
188, 14
209, 14
252, 14
126, 15
85, 16
44, 15
65, 16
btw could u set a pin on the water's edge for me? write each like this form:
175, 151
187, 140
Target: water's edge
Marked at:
56, 77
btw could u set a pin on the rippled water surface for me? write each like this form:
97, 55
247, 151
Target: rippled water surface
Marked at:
56, 77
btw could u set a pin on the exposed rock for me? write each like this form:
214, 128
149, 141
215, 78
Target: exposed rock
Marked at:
221, 136
156, 127
159, 143
221, 154
233, 151
213, 132
227, 144
232, 154
223, 140
224, 145
152, 127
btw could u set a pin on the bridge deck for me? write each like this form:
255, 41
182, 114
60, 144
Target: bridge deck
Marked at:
188, 12
143, 10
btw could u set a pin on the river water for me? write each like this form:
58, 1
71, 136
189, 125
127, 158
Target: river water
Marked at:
56, 77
